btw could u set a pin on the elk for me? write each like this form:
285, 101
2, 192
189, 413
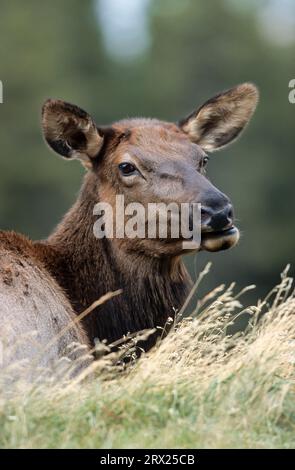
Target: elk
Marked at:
44, 285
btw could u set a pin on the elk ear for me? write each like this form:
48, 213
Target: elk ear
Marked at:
70, 131
222, 118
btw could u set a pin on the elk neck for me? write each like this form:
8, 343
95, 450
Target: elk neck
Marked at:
153, 289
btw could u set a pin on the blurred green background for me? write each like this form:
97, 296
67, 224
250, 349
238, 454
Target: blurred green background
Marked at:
158, 58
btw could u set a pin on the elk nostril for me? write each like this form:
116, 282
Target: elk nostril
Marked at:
205, 215
205, 212
230, 214
223, 219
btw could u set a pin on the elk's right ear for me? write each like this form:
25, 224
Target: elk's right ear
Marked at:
70, 131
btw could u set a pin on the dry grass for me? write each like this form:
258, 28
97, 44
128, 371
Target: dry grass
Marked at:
199, 388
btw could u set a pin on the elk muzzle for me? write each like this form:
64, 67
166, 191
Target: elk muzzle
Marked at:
218, 231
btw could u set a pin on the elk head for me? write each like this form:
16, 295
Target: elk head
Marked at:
150, 161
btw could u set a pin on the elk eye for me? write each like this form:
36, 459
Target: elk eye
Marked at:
127, 169
205, 160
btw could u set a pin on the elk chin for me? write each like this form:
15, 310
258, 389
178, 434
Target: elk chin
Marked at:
223, 240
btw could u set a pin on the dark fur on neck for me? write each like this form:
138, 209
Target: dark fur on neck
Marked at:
86, 268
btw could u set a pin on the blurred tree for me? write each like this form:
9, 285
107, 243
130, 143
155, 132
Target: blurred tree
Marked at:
196, 49
47, 49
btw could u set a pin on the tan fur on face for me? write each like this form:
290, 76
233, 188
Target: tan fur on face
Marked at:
221, 119
168, 164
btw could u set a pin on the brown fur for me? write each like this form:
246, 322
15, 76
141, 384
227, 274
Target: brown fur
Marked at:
31, 301
63, 275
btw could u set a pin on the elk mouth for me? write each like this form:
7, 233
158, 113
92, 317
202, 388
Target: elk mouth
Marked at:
220, 240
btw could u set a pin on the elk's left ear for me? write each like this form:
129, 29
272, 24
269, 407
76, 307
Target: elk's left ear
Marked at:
70, 131
222, 118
